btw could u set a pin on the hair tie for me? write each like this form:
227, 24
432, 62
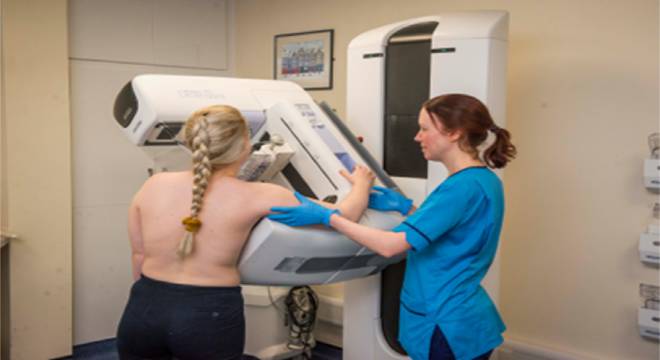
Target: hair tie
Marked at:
494, 128
192, 224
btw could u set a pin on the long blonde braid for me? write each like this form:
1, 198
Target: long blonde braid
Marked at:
201, 173
216, 136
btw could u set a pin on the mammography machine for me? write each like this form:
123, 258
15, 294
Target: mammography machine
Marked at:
299, 147
391, 71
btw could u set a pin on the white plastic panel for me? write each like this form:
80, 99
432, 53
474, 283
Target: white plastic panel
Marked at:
464, 70
649, 323
652, 173
163, 98
363, 336
649, 248
365, 96
378, 37
493, 24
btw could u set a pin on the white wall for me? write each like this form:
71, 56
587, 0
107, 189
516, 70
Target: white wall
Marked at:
111, 42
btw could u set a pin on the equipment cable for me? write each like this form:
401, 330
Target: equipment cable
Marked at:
302, 304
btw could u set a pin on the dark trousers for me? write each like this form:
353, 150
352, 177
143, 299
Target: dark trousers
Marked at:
440, 349
165, 321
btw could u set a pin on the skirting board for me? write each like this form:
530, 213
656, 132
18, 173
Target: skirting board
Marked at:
518, 350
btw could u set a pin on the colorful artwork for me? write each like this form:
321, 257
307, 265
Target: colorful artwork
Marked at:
302, 59
305, 58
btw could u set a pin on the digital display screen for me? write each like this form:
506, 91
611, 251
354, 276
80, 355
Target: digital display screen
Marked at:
325, 134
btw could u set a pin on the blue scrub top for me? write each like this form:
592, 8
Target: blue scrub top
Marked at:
454, 236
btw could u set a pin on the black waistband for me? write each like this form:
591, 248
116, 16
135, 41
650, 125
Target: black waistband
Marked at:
164, 285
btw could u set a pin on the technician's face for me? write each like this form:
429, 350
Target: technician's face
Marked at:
432, 138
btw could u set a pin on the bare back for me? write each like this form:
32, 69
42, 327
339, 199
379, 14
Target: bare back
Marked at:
230, 209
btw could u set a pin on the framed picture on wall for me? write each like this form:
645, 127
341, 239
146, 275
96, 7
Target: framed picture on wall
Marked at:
305, 58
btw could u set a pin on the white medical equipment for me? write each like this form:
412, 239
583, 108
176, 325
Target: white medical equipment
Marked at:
652, 164
649, 245
391, 71
309, 145
649, 241
648, 317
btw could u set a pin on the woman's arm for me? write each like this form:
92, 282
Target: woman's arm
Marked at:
384, 243
353, 205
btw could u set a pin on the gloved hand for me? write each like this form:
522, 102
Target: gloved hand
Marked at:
385, 199
307, 213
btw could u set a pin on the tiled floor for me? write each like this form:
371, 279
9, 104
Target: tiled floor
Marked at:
105, 350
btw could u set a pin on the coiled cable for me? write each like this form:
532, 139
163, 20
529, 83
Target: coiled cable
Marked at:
302, 303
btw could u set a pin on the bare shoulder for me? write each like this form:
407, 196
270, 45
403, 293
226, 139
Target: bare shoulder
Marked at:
159, 181
167, 178
267, 195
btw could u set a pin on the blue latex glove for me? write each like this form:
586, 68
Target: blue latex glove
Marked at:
307, 213
385, 199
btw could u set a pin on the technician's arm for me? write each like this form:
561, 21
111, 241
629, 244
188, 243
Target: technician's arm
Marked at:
135, 236
384, 243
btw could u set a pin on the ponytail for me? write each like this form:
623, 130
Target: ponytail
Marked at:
501, 151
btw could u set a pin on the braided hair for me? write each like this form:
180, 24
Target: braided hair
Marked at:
216, 136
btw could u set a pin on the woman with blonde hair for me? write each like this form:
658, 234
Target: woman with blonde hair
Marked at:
186, 301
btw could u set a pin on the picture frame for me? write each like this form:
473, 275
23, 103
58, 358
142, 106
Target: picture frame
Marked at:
305, 58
